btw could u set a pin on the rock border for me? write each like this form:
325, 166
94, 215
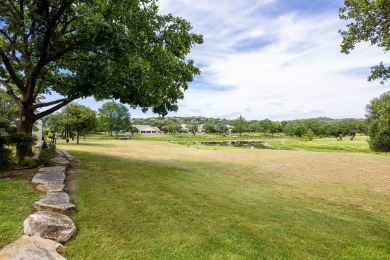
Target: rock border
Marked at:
47, 228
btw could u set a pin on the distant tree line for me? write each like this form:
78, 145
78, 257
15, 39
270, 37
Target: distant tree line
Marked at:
114, 118
319, 126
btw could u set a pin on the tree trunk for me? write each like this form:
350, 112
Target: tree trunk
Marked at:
25, 126
78, 137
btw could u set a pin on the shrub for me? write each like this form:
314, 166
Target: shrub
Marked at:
309, 135
27, 163
6, 159
44, 157
22, 141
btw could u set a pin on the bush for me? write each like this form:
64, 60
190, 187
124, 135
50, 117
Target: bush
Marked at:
6, 159
309, 135
22, 141
44, 157
27, 163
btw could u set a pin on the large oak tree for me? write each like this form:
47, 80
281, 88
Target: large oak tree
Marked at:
114, 49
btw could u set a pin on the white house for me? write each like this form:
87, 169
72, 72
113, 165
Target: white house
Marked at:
39, 126
147, 129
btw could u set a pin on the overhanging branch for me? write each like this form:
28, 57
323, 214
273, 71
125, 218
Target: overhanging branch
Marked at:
53, 109
51, 103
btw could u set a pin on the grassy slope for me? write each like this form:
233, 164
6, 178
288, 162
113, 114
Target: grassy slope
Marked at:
140, 200
16, 200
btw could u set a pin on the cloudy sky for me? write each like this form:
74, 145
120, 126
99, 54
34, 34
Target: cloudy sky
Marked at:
277, 59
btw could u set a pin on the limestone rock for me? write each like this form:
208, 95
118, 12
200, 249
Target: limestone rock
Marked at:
48, 178
53, 169
60, 160
50, 187
68, 156
50, 225
33, 248
60, 153
57, 202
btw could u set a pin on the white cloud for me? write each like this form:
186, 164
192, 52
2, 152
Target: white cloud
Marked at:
273, 63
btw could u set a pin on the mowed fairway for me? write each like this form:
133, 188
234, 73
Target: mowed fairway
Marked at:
155, 200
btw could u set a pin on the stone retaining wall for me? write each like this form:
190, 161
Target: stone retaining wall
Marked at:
50, 226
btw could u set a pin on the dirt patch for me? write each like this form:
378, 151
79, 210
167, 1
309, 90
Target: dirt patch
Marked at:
70, 180
21, 174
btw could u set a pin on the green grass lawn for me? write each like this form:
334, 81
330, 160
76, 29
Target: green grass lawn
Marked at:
278, 141
182, 137
154, 200
359, 145
16, 201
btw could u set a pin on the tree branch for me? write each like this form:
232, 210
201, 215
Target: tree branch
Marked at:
64, 29
50, 25
65, 4
53, 109
11, 93
18, 82
45, 44
14, 7
12, 41
49, 103
6, 35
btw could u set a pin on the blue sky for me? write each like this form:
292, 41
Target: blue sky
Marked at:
277, 59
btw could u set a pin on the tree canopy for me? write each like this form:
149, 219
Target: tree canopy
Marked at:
240, 124
114, 117
80, 118
193, 127
172, 127
378, 118
371, 23
8, 109
267, 126
120, 49
54, 122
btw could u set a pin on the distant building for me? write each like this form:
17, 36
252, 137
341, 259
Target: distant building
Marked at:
38, 130
184, 128
147, 129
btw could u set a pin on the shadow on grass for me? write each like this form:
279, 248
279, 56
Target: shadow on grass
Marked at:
70, 145
194, 209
